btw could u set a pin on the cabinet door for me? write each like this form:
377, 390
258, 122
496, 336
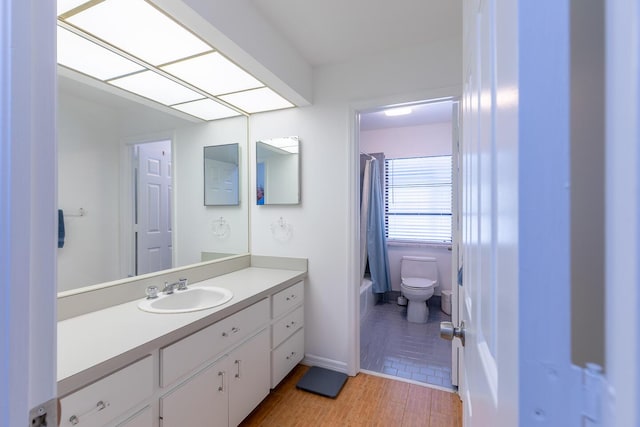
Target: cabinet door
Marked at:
202, 400
143, 418
248, 377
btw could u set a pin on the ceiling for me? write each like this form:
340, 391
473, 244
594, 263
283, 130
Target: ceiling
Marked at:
334, 31
421, 114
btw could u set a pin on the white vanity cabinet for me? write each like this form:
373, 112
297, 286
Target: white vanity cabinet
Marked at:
144, 418
223, 393
287, 331
236, 374
100, 403
163, 375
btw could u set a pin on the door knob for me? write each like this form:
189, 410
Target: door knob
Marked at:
448, 331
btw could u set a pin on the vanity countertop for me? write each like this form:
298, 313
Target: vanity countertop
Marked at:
94, 344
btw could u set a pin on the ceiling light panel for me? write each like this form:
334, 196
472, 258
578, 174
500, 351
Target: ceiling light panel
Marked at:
206, 109
213, 73
156, 87
257, 100
89, 58
140, 29
64, 6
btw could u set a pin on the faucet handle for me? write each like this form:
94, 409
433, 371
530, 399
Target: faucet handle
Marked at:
152, 292
182, 284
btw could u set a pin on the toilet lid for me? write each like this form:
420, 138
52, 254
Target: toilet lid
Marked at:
417, 282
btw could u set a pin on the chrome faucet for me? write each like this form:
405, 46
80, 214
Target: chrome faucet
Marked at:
180, 285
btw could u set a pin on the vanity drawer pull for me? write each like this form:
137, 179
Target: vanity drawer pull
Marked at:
292, 297
221, 375
234, 330
293, 353
75, 419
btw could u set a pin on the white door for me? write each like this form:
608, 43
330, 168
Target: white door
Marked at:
28, 217
154, 197
489, 220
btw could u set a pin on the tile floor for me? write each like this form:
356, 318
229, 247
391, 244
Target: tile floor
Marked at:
391, 345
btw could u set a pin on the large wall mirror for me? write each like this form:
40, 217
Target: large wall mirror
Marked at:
107, 144
221, 175
278, 171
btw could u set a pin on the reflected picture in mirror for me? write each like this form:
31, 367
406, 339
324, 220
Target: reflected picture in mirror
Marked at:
278, 171
221, 175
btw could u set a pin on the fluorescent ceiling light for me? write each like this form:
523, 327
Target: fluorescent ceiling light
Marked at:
206, 109
257, 100
156, 87
401, 111
64, 6
140, 29
82, 55
213, 73
135, 46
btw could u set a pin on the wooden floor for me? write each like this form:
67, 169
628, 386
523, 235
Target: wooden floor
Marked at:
365, 400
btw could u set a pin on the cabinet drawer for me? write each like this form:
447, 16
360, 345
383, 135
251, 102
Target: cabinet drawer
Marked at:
103, 401
184, 356
288, 298
286, 357
286, 326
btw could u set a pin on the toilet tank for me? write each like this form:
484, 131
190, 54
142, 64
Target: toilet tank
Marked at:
416, 266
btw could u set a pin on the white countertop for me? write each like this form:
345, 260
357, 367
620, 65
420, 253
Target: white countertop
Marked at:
95, 344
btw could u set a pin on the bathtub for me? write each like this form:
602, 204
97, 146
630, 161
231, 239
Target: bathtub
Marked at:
367, 298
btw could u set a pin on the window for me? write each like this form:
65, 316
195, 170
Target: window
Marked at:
418, 199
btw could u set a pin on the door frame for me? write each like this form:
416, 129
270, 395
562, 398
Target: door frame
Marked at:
622, 223
353, 239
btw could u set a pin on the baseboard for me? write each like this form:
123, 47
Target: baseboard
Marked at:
311, 360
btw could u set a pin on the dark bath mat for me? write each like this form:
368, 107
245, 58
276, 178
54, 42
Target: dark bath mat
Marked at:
324, 382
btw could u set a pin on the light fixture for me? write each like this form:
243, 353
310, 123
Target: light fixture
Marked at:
135, 46
399, 111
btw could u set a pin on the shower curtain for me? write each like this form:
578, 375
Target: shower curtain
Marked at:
373, 211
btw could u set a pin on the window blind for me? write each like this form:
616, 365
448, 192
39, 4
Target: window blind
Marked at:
418, 193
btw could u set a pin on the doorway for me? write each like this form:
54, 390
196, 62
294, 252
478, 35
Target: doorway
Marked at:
389, 344
152, 201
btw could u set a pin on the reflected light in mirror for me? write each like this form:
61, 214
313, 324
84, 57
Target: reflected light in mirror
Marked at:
213, 73
156, 87
257, 100
206, 109
87, 57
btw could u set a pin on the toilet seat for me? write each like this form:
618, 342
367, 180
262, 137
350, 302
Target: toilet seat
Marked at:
417, 283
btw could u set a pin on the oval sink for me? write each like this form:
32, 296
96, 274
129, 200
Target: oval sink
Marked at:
192, 299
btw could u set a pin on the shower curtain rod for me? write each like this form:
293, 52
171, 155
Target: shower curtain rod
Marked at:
368, 155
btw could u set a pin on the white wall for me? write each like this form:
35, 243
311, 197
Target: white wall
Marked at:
322, 230
88, 178
193, 220
411, 141
432, 139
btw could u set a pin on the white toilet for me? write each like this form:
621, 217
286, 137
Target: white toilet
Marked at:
419, 279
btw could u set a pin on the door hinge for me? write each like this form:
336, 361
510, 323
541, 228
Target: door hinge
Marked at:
593, 385
45, 414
